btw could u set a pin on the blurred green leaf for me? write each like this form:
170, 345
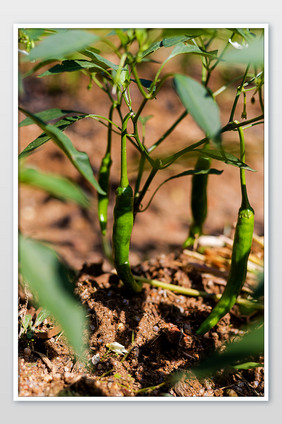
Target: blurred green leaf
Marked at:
249, 346
48, 115
33, 34
59, 45
247, 365
252, 54
201, 106
55, 185
43, 138
188, 32
45, 274
79, 159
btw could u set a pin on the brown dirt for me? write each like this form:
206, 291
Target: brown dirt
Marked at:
157, 327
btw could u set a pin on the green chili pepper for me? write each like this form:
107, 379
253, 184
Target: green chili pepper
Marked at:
123, 221
103, 179
199, 206
103, 200
240, 253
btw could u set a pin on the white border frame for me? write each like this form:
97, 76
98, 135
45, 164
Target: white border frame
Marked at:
15, 210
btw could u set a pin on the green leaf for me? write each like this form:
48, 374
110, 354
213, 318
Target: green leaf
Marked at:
55, 185
33, 34
43, 138
59, 45
43, 314
46, 276
201, 106
225, 157
166, 42
250, 345
188, 32
252, 54
48, 115
79, 159
99, 60
71, 66
27, 322
247, 365
182, 48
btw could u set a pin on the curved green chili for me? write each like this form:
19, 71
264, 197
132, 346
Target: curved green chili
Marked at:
199, 206
123, 221
240, 253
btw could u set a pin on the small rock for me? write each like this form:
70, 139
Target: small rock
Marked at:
231, 392
27, 352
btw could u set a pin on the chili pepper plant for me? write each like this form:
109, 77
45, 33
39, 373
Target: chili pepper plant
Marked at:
114, 61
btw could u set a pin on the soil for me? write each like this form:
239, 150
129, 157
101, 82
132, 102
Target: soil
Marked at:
157, 327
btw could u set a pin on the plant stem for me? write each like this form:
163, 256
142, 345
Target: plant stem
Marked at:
141, 107
196, 293
123, 176
245, 201
169, 131
141, 195
228, 127
239, 90
139, 175
139, 84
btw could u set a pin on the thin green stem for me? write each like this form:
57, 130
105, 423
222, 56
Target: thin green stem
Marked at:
123, 176
142, 193
230, 126
239, 90
245, 201
169, 131
141, 107
195, 293
139, 84
139, 175
261, 99
235, 124
159, 86
222, 53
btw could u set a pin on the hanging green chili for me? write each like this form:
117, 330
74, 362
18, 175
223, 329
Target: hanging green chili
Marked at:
103, 179
123, 221
240, 253
199, 206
